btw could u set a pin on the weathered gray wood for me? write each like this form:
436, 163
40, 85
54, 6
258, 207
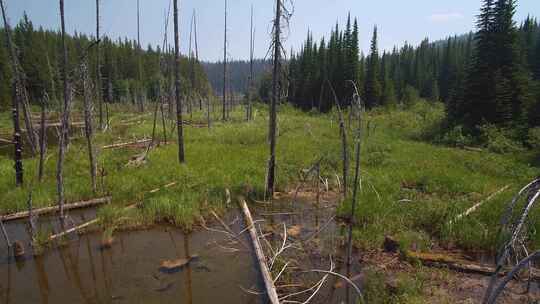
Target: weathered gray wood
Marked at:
56, 208
179, 123
261, 258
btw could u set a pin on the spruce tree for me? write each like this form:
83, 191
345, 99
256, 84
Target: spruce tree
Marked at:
372, 87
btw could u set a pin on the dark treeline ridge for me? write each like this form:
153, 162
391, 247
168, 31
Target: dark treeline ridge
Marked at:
491, 77
123, 79
237, 74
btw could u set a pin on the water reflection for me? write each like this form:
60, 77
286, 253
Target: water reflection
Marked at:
82, 272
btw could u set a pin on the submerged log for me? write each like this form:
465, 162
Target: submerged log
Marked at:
268, 281
47, 210
459, 264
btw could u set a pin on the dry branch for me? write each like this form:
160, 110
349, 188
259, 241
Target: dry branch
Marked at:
268, 282
48, 210
458, 264
125, 144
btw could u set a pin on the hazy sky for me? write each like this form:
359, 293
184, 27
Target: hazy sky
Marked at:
397, 20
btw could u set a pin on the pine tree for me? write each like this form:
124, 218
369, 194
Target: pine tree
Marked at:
372, 88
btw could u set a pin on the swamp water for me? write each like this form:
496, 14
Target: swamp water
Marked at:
221, 270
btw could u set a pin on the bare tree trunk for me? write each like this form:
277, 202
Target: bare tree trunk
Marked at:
273, 105
208, 117
16, 100
88, 124
30, 132
98, 70
250, 88
140, 93
179, 122
225, 67
42, 139
65, 119
163, 120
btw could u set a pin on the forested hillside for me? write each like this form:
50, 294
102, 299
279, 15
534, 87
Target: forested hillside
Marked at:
237, 74
123, 77
490, 77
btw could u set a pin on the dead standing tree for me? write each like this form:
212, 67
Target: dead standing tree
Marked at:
88, 129
179, 123
225, 67
282, 12
16, 100
249, 108
98, 71
65, 119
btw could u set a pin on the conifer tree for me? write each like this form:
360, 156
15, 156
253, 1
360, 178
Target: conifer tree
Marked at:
372, 87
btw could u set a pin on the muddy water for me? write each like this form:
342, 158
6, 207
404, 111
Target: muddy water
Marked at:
224, 270
128, 272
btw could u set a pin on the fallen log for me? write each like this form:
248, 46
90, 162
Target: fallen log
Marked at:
478, 205
125, 144
268, 281
6, 141
48, 210
82, 226
459, 264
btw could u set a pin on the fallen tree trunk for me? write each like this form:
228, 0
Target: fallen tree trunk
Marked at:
82, 226
6, 141
47, 210
459, 264
478, 205
268, 282
120, 145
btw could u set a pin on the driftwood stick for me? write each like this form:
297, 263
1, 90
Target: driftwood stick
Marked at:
478, 205
82, 226
48, 210
120, 145
268, 282
461, 265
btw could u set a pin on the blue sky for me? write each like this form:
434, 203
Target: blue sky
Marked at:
397, 20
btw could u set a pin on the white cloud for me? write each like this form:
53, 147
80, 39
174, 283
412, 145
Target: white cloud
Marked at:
445, 17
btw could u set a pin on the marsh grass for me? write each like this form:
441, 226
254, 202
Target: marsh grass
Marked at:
411, 187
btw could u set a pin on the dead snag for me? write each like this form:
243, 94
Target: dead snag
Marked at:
276, 41
99, 91
179, 123
88, 129
224, 106
42, 138
250, 84
16, 100
65, 118
268, 281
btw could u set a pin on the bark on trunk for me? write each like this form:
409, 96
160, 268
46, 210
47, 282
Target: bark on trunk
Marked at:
273, 105
179, 123
42, 140
225, 67
98, 70
88, 129
65, 119
16, 100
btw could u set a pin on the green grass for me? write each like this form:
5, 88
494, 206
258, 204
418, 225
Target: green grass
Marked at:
438, 182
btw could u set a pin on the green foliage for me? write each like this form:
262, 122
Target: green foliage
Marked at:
499, 140
533, 138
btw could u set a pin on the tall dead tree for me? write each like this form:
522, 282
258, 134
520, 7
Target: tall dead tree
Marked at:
42, 137
88, 128
276, 41
249, 107
179, 122
139, 92
16, 84
98, 70
197, 52
65, 118
225, 67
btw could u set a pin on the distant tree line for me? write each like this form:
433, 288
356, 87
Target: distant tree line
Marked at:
488, 77
39, 55
237, 76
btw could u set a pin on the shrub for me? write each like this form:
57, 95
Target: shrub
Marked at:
456, 137
533, 138
498, 140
